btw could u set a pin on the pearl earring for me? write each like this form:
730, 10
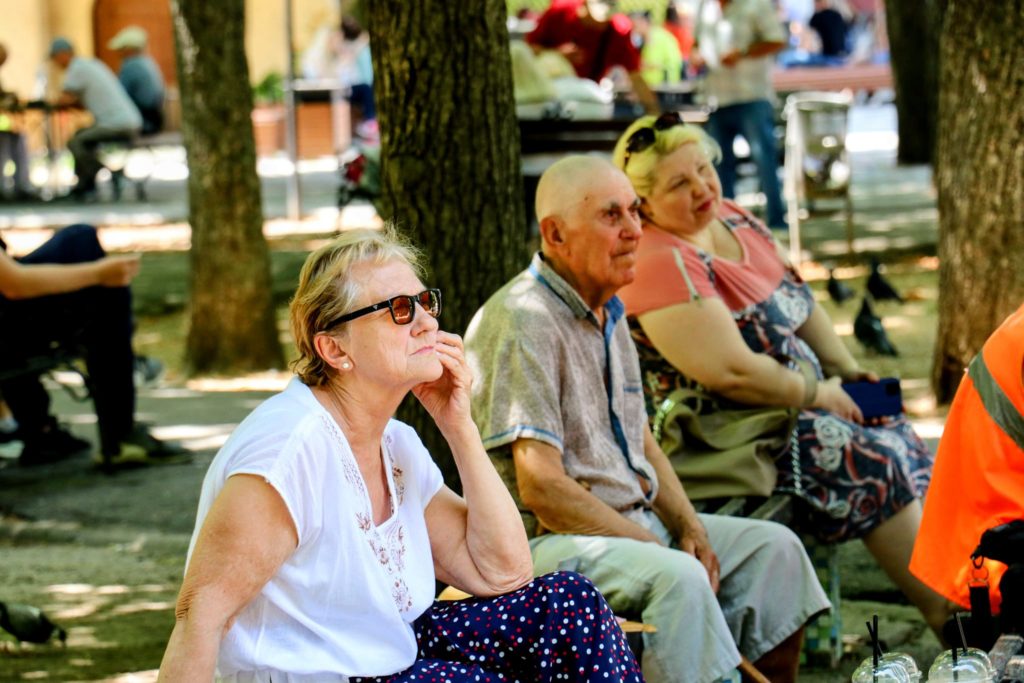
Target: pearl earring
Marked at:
346, 366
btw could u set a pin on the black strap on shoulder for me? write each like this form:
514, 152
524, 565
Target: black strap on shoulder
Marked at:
597, 67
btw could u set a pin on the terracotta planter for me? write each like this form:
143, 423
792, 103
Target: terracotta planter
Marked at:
268, 128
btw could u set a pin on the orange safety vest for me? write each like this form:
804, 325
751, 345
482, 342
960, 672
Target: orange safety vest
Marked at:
978, 479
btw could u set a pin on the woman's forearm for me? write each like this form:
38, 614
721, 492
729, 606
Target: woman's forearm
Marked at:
495, 536
761, 380
191, 653
832, 353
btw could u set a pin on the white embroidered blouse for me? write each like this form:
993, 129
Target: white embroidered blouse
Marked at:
343, 603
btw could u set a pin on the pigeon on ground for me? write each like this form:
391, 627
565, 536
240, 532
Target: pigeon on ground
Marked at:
836, 289
28, 624
867, 328
879, 287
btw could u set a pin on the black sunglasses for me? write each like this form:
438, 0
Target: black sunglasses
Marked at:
645, 137
402, 307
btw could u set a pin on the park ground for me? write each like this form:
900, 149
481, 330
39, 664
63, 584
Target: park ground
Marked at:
103, 555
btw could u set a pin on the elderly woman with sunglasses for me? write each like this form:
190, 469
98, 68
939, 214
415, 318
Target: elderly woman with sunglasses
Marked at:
323, 521
709, 268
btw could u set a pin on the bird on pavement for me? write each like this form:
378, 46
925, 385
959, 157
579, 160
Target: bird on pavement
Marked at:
836, 289
28, 624
867, 328
880, 288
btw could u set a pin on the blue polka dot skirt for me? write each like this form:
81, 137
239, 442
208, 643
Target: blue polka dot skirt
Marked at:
556, 628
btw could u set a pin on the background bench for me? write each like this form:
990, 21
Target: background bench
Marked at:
868, 77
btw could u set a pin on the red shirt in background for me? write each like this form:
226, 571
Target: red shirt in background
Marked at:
561, 24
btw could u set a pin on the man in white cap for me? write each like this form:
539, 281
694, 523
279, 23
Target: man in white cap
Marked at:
90, 84
140, 76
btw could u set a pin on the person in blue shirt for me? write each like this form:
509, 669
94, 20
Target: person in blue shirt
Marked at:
140, 76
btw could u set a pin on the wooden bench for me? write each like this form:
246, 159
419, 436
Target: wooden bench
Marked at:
559, 136
867, 77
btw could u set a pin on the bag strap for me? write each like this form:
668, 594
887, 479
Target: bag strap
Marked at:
681, 265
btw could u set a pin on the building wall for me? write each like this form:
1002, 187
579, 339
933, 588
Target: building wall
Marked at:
28, 26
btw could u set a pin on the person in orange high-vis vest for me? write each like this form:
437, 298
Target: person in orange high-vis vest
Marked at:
978, 480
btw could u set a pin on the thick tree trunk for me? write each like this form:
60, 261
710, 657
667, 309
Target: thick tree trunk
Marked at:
914, 28
450, 169
980, 180
232, 323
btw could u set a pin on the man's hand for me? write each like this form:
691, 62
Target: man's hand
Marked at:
572, 52
732, 58
117, 271
694, 540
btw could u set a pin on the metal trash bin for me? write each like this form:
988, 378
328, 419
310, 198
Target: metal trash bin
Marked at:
817, 162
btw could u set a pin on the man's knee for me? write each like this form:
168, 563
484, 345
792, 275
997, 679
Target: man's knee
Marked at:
777, 539
80, 234
679, 572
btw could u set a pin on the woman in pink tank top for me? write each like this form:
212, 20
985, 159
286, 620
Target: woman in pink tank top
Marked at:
715, 303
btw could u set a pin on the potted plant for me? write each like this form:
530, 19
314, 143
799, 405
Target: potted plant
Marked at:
268, 114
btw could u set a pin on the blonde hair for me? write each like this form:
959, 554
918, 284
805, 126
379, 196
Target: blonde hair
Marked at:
640, 169
327, 289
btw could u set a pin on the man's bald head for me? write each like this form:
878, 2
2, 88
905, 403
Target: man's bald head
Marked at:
589, 226
565, 183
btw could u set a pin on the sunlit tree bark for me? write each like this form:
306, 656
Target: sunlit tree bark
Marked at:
980, 180
450, 149
232, 326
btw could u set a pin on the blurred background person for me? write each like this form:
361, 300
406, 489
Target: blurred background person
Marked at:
738, 47
833, 33
660, 58
343, 54
140, 76
680, 25
89, 83
594, 39
12, 145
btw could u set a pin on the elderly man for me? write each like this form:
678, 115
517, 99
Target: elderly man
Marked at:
559, 390
90, 84
140, 76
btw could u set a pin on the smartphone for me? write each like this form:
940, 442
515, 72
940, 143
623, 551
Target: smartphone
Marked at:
877, 399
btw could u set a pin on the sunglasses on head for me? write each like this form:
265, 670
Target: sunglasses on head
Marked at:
402, 307
644, 137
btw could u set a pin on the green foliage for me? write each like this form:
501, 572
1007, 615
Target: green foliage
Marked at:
270, 90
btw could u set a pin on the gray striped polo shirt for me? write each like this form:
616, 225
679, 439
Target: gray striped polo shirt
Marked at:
540, 361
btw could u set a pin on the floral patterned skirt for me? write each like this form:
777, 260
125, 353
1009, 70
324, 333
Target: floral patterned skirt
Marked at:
854, 477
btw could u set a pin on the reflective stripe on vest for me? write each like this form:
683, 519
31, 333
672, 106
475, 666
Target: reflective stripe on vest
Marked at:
998, 405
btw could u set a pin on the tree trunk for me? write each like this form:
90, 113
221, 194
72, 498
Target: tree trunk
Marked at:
914, 28
450, 170
232, 324
980, 181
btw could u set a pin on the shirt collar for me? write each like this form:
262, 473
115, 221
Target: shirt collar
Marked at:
546, 275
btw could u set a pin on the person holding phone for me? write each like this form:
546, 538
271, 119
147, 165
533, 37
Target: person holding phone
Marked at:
323, 522
716, 303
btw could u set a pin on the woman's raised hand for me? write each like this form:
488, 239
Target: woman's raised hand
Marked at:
832, 398
447, 398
